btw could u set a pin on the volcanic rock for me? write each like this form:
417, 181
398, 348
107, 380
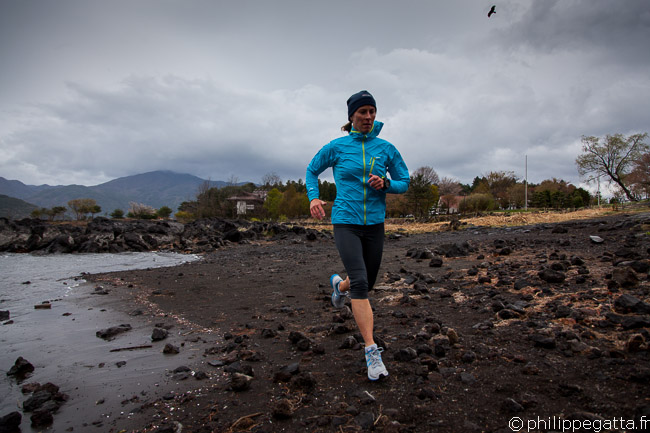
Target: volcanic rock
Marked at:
21, 368
112, 332
629, 304
240, 382
551, 276
159, 334
625, 277
10, 423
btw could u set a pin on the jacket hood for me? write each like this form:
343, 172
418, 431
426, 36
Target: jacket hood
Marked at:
374, 132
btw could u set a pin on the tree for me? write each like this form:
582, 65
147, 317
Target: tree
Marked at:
51, 214
327, 190
419, 194
56, 211
449, 186
37, 213
614, 158
82, 206
499, 183
639, 178
428, 174
294, 203
273, 202
141, 211
477, 202
164, 212
271, 180
95, 210
516, 196
117, 214
448, 191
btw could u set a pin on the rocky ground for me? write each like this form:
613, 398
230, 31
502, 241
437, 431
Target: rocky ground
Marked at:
103, 235
481, 327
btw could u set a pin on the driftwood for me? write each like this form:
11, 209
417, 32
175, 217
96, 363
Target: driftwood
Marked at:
144, 346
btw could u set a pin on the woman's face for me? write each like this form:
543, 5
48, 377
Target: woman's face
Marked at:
364, 118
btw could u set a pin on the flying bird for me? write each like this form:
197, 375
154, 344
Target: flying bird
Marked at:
492, 11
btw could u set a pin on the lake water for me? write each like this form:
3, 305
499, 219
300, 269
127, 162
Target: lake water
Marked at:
55, 276
61, 343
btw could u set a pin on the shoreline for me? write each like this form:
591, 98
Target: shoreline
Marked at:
105, 381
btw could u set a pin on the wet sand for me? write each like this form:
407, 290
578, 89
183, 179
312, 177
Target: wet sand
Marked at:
68, 353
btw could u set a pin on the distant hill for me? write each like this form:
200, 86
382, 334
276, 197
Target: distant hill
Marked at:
15, 208
156, 189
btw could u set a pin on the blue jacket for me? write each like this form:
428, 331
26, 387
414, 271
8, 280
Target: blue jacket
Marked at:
353, 158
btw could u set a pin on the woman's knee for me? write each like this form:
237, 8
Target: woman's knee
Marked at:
358, 289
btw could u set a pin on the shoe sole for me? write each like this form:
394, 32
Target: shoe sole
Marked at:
381, 375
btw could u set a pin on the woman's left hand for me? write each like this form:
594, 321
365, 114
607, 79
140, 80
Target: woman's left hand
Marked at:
376, 182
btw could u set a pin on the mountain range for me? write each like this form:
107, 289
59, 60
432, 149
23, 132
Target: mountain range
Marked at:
156, 189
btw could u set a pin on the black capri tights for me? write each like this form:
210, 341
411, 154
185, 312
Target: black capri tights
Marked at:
360, 248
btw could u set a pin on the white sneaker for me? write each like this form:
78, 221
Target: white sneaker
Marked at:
338, 298
376, 368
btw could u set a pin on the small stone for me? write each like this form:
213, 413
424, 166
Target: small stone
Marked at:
201, 375
467, 378
282, 409
36, 401
170, 349
11, 422
405, 355
468, 357
240, 382
303, 381
112, 332
635, 343
551, 276
41, 418
269, 333
159, 334
287, 372
511, 406
625, 277
452, 335
20, 368
543, 341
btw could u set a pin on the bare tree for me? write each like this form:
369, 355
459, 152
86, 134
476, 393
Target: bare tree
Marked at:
428, 174
271, 180
449, 186
448, 189
500, 183
639, 178
614, 158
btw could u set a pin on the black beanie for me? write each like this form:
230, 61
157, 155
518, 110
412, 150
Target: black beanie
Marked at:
359, 100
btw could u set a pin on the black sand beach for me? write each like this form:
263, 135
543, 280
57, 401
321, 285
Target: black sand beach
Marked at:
480, 326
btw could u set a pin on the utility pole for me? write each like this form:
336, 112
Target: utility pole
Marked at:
526, 185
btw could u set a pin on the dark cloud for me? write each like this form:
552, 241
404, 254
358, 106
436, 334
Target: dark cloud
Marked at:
90, 92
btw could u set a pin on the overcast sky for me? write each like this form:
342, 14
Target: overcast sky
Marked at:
93, 90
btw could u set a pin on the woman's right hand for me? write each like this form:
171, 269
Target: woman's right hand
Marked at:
316, 208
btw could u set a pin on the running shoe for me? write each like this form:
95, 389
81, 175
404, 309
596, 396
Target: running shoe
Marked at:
338, 298
376, 368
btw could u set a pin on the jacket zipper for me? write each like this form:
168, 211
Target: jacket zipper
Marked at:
363, 150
